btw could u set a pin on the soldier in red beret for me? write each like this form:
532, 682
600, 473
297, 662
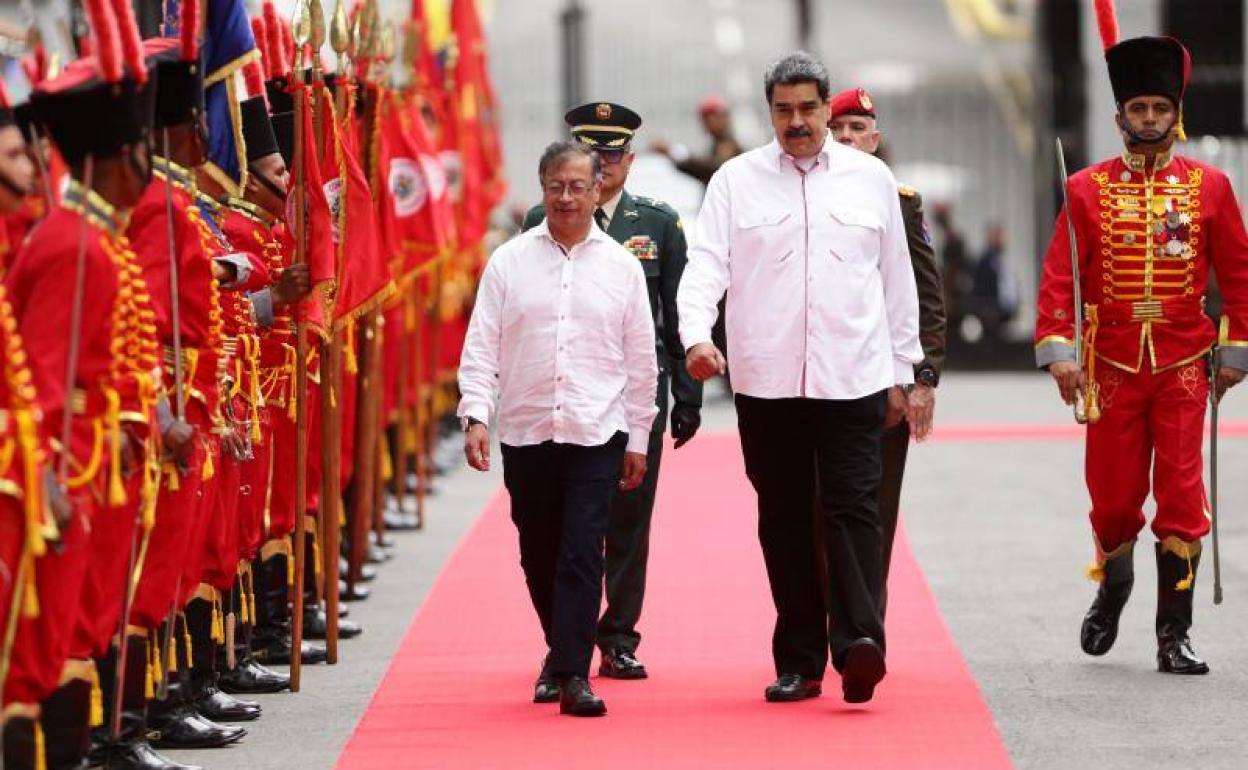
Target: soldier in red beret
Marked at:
853, 123
1149, 225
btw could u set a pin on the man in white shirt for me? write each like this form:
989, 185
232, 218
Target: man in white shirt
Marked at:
807, 238
562, 336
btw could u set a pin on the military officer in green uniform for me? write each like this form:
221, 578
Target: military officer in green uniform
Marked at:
853, 123
652, 231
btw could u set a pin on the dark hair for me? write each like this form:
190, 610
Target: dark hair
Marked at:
556, 152
797, 67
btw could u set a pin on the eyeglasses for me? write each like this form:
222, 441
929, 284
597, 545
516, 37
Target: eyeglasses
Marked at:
611, 157
576, 189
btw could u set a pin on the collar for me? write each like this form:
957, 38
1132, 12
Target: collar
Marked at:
822, 157
249, 210
610, 206
595, 234
178, 176
1137, 162
80, 200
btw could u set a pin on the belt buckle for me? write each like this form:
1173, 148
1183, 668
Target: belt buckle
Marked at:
1147, 310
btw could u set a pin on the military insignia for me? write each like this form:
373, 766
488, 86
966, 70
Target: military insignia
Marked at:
1174, 248
407, 187
333, 196
642, 247
1172, 179
603, 111
1125, 176
863, 100
631, 214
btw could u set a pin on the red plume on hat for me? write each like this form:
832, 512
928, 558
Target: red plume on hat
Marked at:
107, 39
1107, 23
277, 43
131, 45
261, 34
253, 78
190, 29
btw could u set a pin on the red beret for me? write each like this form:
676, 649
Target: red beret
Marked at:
855, 101
712, 103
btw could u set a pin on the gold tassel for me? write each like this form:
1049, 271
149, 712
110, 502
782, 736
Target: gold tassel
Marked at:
171, 656
186, 636
290, 568
1096, 572
96, 710
27, 439
116, 490
149, 686
1186, 583
30, 594
387, 465
207, 471
154, 654
172, 475
251, 594
230, 627
1179, 132
41, 755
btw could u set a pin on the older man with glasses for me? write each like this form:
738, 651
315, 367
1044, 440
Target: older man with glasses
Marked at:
652, 232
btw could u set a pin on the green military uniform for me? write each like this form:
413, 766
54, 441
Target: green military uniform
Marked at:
652, 232
895, 441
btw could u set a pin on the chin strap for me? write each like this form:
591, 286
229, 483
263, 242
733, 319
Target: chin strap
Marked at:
12, 186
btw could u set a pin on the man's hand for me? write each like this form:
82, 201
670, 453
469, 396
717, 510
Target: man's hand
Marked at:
1069, 379
477, 447
920, 407
177, 439
1227, 379
292, 285
235, 446
686, 420
662, 147
895, 412
633, 471
704, 361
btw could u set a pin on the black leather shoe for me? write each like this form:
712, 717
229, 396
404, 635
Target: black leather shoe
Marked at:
183, 728
359, 592
1178, 658
316, 626
139, 756
863, 670
377, 555
278, 652
792, 687
576, 698
546, 688
251, 678
215, 705
1100, 625
621, 663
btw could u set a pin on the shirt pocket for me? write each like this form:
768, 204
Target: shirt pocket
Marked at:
854, 236
763, 235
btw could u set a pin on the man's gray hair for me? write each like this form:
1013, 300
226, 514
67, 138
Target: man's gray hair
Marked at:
556, 153
797, 67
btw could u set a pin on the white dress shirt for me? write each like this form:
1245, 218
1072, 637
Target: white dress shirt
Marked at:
821, 295
565, 341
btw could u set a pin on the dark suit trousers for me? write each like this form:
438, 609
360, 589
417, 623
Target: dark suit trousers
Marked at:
795, 449
628, 544
894, 446
560, 499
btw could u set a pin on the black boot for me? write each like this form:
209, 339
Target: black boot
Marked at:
248, 677
66, 722
271, 638
174, 723
208, 699
1100, 625
19, 744
316, 624
130, 751
1176, 586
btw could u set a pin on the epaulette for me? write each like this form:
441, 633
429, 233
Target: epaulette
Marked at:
906, 191
657, 205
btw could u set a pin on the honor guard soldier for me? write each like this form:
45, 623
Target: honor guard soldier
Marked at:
1148, 226
652, 232
853, 123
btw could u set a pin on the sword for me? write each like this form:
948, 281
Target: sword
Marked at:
1214, 363
1086, 410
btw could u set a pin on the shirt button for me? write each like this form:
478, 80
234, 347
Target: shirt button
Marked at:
557, 407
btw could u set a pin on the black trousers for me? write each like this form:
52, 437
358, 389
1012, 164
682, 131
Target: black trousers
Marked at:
894, 446
825, 570
560, 499
628, 544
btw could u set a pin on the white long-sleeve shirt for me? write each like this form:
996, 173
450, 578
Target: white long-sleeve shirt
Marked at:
821, 295
565, 341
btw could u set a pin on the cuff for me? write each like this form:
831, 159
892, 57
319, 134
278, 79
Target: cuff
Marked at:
1052, 350
679, 153
477, 410
638, 440
695, 337
903, 371
1234, 357
242, 268
262, 307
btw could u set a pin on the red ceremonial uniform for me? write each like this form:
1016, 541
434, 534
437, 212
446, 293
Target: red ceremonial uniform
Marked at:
1147, 240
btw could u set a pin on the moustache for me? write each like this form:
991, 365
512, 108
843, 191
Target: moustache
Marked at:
795, 133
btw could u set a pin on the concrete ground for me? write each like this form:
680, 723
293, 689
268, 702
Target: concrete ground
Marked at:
1000, 531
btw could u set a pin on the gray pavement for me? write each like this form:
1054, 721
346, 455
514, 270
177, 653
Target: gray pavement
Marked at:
999, 530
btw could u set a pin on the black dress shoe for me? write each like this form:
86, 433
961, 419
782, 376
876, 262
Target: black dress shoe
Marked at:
793, 687
377, 555
1179, 658
139, 755
215, 705
576, 698
546, 688
359, 592
621, 663
251, 678
278, 651
1100, 626
183, 728
863, 670
316, 626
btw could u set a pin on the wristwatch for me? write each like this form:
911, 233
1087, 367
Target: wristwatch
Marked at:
466, 423
927, 375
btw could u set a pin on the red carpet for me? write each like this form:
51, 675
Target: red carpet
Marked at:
457, 692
